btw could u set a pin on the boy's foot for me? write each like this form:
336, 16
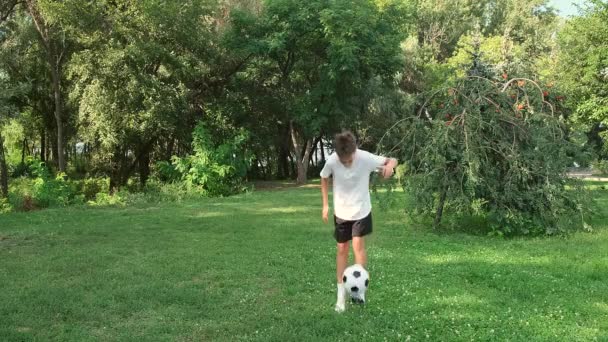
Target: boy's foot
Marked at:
340, 307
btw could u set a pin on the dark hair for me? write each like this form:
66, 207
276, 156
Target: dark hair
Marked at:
345, 144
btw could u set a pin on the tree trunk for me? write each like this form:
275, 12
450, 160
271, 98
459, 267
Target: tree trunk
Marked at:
61, 163
322, 152
43, 145
292, 166
54, 58
440, 205
169, 152
3, 170
118, 167
144, 168
282, 143
302, 151
23, 149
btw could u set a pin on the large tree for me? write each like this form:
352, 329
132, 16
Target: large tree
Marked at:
316, 58
583, 69
491, 147
143, 77
49, 19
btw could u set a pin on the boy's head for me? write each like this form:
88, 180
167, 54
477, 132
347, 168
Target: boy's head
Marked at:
346, 145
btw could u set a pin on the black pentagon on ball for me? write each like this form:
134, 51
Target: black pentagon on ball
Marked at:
357, 274
366, 282
354, 289
344, 279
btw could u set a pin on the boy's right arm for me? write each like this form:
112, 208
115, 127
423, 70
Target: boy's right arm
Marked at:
324, 187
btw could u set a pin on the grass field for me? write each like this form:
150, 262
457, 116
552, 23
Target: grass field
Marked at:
260, 267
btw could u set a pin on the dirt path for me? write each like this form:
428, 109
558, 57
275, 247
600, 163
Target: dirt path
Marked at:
282, 185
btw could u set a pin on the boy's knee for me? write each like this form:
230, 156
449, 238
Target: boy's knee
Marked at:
358, 245
343, 248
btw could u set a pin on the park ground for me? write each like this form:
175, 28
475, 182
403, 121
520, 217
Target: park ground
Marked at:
260, 267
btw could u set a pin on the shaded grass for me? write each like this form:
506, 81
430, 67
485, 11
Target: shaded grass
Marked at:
260, 267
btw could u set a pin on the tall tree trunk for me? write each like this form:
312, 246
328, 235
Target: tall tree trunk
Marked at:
3, 170
144, 168
169, 152
322, 152
302, 151
23, 149
54, 58
61, 163
283, 147
283, 163
313, 152
292, 166
43, 145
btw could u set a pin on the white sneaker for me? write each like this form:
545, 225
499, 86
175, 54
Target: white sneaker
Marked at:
341, 300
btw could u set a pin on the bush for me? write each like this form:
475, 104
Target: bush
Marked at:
165, 172
92, 186
5, 206
43, 190
26, 169
215, 169
105, 199
600, 167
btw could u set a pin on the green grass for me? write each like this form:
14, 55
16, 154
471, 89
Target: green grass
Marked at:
260, 267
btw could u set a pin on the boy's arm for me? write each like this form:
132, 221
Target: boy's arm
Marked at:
324, 187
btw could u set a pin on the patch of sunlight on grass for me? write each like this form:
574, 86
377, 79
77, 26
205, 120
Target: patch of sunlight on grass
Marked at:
454, 258
287, 210
602, 306
209, 214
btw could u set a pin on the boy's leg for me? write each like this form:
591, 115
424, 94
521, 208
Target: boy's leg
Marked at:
359, 250
361, 228
341, 261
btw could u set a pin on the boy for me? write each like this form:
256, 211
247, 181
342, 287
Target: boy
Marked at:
351, 168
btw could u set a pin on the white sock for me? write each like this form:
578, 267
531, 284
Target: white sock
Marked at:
341, 301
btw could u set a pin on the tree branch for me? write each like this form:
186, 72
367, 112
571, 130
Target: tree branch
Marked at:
8, 9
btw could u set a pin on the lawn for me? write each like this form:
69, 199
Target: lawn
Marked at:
260, 267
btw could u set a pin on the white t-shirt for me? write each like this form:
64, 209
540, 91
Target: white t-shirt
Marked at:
351, 184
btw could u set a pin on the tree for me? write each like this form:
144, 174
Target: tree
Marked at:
9, 94
583, 69
494, 148
139, 78
53, 36
315, 58
11, 90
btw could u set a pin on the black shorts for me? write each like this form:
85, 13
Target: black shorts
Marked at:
345, 230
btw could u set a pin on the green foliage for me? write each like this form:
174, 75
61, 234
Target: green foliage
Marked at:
494, 149
313, 61
166, 172
215, 169
5, 206
583, 68
48, 191
105, 199
600, 167
92, 187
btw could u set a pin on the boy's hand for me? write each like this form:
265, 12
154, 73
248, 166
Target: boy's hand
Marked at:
388, 168
387, 172
325, 213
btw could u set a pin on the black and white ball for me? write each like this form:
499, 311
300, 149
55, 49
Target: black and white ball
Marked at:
356, 281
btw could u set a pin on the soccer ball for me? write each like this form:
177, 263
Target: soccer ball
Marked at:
356, 281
